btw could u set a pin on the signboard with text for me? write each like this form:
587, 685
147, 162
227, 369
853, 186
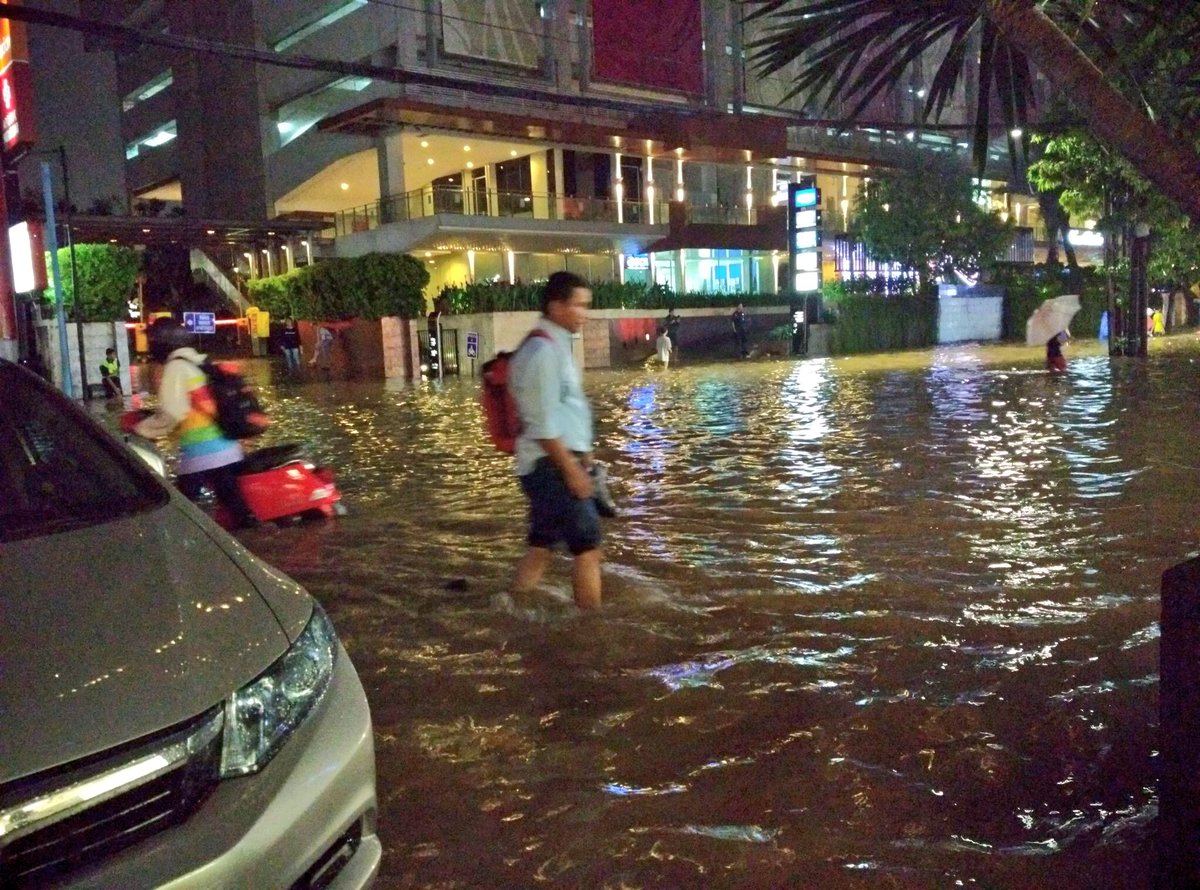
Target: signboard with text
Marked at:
16, 87
472, 344
200, 322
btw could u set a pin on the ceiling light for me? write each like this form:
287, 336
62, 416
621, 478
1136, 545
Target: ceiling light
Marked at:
211, 231
429, 161
466, 148
512, 153
424, 143
270, 233
428, 253
146, 231
470, 165
345, 186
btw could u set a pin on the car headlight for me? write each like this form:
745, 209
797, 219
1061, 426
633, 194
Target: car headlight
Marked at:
262, 714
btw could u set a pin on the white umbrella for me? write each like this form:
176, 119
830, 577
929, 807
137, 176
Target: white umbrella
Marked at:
1053, 316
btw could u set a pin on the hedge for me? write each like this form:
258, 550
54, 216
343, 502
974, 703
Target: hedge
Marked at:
370, 286
493, 297
107, 277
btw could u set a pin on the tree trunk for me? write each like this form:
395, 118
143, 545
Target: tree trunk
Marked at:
1163, 160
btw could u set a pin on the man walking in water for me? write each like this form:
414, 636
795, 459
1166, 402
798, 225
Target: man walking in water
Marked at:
553, 450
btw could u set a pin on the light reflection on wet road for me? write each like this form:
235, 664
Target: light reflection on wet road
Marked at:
888, 621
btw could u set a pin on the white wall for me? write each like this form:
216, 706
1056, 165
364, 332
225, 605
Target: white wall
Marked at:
97, 337
969, 318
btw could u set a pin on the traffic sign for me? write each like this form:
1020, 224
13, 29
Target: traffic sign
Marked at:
200, 322
472, 344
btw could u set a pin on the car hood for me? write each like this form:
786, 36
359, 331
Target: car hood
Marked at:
122, 629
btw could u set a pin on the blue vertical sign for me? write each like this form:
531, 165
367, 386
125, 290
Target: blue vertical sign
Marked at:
804, 236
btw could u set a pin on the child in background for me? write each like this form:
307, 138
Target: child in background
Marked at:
663, 345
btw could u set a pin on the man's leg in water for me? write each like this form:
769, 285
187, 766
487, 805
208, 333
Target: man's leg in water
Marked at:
530, 569
585, 579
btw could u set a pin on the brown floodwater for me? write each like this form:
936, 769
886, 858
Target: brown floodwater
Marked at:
886, 621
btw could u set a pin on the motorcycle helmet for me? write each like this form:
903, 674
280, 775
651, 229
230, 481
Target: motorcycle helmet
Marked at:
164, 336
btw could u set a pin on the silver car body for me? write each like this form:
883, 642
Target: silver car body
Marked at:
122, 640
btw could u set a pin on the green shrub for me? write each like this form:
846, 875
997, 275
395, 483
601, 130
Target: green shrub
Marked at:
370, 286
495, 297
106, 275
1025, 287
870, 323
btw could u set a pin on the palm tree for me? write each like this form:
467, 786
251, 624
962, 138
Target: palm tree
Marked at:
856, 49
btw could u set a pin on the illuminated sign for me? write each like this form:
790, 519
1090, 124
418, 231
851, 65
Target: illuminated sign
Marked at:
16, 88
805, 197
804, 235
21, 252
200, 322
1085, 237
808, 281
637, 263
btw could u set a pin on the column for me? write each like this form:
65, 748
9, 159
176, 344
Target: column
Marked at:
539, 185
389, 152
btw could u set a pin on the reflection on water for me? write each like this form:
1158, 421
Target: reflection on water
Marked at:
887, 621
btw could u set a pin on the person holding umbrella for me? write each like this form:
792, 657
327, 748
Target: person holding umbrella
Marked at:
1049, 325
1056, 362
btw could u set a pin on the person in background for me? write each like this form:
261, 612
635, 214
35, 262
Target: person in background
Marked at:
738, 320
663, 345
1056, 363
671, 323
110, 374
554, 448
1159, 326
323, 354
186, 407
291, 345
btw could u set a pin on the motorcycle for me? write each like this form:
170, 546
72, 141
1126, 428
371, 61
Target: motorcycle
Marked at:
276, 482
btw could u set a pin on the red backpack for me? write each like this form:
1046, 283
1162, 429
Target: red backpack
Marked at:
500, 416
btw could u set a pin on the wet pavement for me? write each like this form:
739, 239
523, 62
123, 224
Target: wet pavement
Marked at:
886, 621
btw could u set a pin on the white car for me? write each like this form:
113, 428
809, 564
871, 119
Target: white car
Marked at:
173, 711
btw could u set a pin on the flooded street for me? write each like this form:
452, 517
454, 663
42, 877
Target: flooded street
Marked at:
886, 621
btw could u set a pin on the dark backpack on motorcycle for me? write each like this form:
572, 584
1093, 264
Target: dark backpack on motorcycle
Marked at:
239, 413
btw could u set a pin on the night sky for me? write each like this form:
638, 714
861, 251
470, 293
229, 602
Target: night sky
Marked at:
77, 106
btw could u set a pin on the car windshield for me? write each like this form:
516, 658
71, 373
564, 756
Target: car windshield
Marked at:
58, 469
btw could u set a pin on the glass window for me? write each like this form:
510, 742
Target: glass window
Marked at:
152, 87
58, 471
300, 115
333, 13
161, 136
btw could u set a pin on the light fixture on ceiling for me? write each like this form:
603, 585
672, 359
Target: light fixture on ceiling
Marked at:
345, 186
429, 161
211, 231
424, 143
466, 148
470, 165
513, 153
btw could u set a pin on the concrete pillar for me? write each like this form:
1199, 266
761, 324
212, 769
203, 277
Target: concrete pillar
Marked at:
389, 152
1179, 727
539, 181
559, 187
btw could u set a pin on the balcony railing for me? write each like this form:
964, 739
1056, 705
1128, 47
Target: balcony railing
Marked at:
433, 200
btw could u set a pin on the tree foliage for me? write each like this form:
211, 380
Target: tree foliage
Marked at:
1129, 67
370, 286
106, 275
928, 222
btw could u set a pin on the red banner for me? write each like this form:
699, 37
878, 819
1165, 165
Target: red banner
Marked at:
649, 43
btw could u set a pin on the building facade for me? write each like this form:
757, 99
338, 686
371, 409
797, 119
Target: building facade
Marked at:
628, 139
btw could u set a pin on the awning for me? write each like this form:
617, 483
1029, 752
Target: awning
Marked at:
701, 135
714, 236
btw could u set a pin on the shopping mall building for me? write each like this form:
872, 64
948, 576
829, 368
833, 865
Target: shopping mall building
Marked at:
499, 140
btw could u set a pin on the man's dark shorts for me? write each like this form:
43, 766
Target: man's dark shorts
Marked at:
557, 515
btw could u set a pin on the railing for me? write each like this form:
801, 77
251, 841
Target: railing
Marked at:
433, 200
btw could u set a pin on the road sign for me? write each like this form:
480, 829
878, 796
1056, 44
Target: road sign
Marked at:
200, 322
472, 344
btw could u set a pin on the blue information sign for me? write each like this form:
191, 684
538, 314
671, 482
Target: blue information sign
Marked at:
472, 344
200, 322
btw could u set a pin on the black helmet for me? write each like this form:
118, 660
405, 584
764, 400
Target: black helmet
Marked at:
166, 335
